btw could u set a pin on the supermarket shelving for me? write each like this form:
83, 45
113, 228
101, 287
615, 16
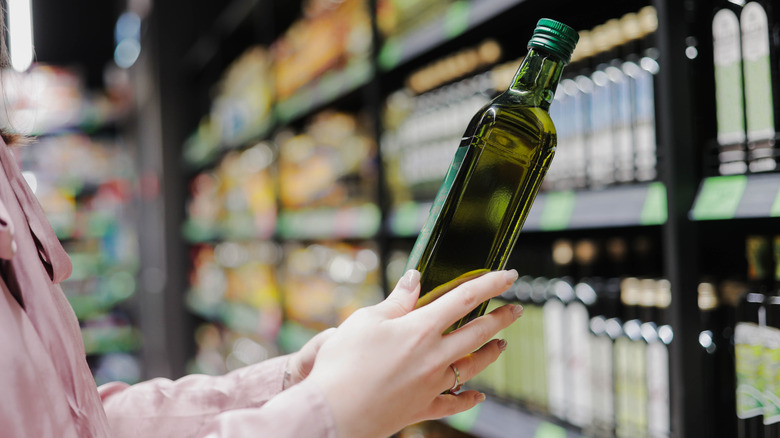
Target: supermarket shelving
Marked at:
675, 207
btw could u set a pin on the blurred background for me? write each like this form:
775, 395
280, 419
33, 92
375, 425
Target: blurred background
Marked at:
231, 177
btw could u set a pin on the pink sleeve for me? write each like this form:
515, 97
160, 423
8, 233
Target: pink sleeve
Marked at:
161, 407
300, 411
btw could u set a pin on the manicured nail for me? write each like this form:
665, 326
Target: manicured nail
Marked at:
510, 276
517, 310
411, 280
480, 397
502, 344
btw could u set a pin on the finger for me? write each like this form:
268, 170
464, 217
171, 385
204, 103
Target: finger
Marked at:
477, 332
450, 404
458, 302
320, 338
402, 299
472, 364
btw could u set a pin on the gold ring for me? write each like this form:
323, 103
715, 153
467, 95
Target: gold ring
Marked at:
457, 378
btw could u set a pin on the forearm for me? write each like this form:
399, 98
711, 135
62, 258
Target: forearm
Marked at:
188, 403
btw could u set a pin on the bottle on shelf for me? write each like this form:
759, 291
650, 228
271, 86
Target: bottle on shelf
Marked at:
537, 335
495, 175
659, 335
729, 91
748, 347
559, 294
630, 382
771, 357
760, 72
641, 67
577, 316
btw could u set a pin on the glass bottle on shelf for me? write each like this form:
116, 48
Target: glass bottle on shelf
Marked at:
748, 347
760, 72
729, 91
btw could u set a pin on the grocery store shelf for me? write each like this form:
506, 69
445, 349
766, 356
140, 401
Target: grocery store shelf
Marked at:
619, 206
326, 89
492, 419
238, 317
737, 196
460, 17
353, 222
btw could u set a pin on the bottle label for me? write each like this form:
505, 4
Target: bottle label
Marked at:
748, 352
729, 104
771, 375
621, 124
441, 197
758, 73
643, 96
578, 356
601, 377
601, 157
554, 335
658, 413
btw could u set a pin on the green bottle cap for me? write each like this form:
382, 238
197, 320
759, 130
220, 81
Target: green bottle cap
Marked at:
554, 37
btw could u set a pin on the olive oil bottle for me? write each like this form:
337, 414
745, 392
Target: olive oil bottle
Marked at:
495, 175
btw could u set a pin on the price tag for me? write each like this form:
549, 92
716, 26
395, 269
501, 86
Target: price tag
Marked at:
557, 212
719, 197
654, 210
464, 421
549, 430
457, 19
775, 211
390, 55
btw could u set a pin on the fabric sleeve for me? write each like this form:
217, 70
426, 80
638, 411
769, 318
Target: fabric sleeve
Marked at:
300, 411
163, 407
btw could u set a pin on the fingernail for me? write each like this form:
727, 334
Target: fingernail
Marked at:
502, 344
510, 276
411, 279
480, 397
517, 310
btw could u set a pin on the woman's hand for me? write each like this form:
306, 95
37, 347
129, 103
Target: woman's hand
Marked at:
300, 363
386, 366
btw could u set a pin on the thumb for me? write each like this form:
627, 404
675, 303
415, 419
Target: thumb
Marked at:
403, 298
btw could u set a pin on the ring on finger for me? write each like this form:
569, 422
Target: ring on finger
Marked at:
456, 386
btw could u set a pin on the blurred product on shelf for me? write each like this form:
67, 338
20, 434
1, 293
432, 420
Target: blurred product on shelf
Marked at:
48, 99
235, 284
422, 133
325, 282
330, 36
747, 87
236, 200
398, 17
465, 62
221, 350
240, 111
330, 163
242, 106
605, 112
592, 348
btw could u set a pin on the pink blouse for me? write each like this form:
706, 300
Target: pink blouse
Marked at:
48, 390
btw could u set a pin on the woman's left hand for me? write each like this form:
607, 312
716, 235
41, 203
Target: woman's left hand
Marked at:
300, 363
387, 366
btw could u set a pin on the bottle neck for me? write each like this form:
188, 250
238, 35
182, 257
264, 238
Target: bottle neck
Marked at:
537, 78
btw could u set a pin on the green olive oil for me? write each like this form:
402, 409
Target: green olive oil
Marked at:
495, 175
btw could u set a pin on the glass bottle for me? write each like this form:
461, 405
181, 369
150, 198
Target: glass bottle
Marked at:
729, 93
495, 175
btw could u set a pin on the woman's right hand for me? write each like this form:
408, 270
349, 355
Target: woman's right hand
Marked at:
387, 366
